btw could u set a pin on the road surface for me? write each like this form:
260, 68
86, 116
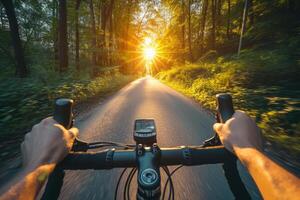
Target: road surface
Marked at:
179, 120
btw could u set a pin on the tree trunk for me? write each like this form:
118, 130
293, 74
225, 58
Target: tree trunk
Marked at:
218, 17
190, 31
126, 38
93, 30
110, 45
251, 12
104, 17
77, 60
203, 25
243, 28
62, 36
21, 69
228, 30
183, 29
55, 31
213, 27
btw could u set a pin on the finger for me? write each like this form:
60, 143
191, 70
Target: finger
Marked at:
48, 120
238, 113
218, 127
73, 132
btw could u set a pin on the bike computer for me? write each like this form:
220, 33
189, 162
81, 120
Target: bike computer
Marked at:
144, 131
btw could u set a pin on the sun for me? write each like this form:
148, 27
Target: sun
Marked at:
149, 53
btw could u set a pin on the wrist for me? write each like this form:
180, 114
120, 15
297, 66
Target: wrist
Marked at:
246, 155
38, 167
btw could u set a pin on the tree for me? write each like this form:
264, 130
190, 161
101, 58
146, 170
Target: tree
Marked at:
111, 30
213, 24
190, 31
228, 28
93, 30
183, 28
55, 29
77, 5
251, 12
62, 36
21, 68
203, 23
102, 42
243, 28
219, 4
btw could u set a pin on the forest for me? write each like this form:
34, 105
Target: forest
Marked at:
82, 49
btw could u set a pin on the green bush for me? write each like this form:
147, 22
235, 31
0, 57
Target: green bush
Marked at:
264, 83
26, 101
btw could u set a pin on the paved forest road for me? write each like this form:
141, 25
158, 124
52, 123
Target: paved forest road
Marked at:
179, 121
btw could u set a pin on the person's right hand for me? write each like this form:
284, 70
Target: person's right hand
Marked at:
239, 132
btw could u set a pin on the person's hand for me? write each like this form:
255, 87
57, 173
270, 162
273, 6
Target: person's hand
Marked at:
239, 132
47, 143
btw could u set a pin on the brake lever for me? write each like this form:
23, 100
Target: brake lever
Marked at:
225, 111
64, 116
215, 140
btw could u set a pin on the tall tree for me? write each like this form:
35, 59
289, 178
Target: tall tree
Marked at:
110, 45
77, 5
55, 29
21, 68
203, 24
251, 13
190, 31
243, 28
102, 42
228, 28
213, 25
93, 30
219, 4
183, 28
128, 20
62, 36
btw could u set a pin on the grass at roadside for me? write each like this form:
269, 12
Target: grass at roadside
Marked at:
263, 83
25, 102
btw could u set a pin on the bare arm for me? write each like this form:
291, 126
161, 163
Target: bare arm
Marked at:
43, 147
241, 136
28, 183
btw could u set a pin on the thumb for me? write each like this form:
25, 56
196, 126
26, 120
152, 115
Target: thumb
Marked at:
218, 128
73, 132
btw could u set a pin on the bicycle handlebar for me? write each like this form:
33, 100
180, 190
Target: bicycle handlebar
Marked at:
155, 157
112, 158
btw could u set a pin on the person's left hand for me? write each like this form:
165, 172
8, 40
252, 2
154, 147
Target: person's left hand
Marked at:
47, 143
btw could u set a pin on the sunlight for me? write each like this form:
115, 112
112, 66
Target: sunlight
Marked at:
148, 49
148, 41
149, 53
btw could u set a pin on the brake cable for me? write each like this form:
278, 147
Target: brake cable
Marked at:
118, 183
129, 179
171, 188
169, 179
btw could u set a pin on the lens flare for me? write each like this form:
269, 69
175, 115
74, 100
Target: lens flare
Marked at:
149, 53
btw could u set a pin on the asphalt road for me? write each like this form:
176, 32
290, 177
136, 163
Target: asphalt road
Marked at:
179, 120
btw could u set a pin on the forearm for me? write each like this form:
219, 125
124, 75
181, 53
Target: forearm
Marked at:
28, 183
272, 180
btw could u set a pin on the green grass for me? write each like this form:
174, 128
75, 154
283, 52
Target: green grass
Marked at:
264, 83
25, 102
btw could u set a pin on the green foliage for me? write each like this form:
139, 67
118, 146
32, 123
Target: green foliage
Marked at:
264, 83
24, 102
